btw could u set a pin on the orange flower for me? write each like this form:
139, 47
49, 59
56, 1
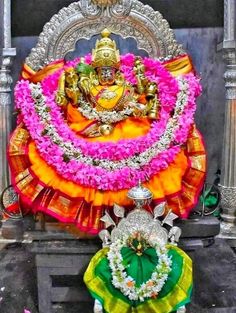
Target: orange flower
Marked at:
154, 295
150, 284
130, 283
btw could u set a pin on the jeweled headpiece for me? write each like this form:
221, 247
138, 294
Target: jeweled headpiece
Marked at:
105, 52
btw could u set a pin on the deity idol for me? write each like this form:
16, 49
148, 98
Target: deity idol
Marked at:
90, 129
101, 92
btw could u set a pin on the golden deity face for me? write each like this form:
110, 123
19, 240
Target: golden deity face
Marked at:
106, 75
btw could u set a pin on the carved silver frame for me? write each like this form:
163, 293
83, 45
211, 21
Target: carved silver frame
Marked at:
83, 19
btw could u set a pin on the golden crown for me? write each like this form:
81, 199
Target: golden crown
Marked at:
105, 52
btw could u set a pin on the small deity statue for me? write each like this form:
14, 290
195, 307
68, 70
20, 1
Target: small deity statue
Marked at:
101, 87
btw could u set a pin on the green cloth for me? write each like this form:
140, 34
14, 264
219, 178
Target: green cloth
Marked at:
140, 268
141, 271
175, 293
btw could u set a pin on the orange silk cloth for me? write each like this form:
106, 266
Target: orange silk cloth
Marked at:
42, 189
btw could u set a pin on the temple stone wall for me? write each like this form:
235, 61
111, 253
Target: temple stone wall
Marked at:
198, 26
180, 13
201, 43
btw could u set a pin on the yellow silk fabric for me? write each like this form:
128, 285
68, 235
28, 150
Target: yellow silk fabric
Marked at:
126, 129
107, 104
41, 188
35, 77
116, 305
179, 66
164, 183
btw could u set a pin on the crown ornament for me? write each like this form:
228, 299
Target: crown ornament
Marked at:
105, 52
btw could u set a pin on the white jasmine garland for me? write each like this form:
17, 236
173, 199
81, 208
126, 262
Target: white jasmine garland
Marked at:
136, 162
126, 284
104, 116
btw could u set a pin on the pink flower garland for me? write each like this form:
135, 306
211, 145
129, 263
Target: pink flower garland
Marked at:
93, 176
123, 148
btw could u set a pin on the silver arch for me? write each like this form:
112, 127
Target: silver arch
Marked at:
83, 19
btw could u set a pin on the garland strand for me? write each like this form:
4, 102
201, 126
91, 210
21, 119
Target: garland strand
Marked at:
74, 158
126, 284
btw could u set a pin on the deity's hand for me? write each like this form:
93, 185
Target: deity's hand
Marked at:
139, 109
73, 94
85, 85
61, 99
153, 105
139, 70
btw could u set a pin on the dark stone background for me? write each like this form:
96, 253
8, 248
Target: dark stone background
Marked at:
29, 16
214, 281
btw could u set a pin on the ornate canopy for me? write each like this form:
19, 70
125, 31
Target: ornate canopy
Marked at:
86, 18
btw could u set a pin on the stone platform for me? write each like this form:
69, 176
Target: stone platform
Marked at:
214, 281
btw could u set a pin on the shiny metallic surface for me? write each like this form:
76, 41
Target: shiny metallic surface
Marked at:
229, 20
139, 193
228, 223
82, 19
5, 93
229, 147
228, 188
105, 2
5, 113
7, 23
9, 198
140, 221
228, 203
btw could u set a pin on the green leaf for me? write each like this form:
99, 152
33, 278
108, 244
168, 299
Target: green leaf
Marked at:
84, 68
209, 200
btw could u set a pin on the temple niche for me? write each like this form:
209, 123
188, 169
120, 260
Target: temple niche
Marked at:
120, 162
199, 36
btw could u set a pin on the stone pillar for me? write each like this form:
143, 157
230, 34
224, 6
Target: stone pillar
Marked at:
5, 90
228, 187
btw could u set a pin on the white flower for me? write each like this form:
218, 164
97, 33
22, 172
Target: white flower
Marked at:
126, 284
135, 162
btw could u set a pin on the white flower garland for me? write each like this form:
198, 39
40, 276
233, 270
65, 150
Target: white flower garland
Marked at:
127, 285
104, 116
135, 162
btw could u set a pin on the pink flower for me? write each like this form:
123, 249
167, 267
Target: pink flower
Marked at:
92, 175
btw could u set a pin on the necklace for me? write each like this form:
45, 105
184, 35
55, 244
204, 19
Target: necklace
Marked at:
108, 116
107, 94
126, 96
